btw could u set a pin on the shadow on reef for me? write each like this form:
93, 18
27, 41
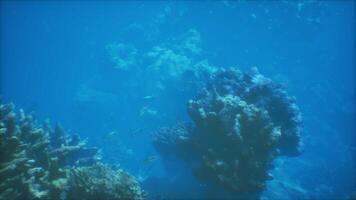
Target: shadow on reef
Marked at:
242, 122
37, 162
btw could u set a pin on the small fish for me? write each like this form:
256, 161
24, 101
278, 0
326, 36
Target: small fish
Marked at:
150, 159
112, 133
148, 97
30, 161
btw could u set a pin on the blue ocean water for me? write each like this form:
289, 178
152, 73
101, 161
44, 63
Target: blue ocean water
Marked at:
116, 71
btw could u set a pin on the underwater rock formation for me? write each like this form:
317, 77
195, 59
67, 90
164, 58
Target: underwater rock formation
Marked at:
38, 162
242, 121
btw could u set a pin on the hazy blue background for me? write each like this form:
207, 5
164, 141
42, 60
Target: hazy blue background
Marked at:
55, 61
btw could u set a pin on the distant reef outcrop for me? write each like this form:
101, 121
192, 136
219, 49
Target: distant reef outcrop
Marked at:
39, 162
241, 123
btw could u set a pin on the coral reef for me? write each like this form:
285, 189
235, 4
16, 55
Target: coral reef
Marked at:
38, 162
242, 121
163, 61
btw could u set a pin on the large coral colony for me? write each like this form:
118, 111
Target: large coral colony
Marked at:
240, 123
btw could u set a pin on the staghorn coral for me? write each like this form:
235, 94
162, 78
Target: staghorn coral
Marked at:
242, 121
38, 162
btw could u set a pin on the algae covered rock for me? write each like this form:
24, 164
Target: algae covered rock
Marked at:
242, 121
38, 162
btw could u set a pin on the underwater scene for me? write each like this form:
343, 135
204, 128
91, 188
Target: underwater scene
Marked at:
177, 100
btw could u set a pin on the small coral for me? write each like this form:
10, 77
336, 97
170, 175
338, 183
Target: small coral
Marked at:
102, 182
242, 121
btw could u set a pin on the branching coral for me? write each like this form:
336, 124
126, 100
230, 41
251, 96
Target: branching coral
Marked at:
37, 162
242, 122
